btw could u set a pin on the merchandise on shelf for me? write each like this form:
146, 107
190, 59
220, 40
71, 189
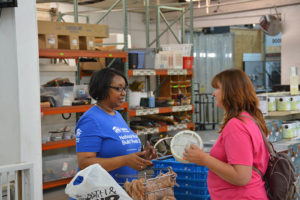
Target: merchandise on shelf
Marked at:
65, 95
59, 167
293, 152
275, 130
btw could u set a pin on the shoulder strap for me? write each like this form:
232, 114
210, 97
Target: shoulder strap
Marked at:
269, 146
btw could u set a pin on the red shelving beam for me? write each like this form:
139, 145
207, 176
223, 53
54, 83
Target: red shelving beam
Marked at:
73, 109
65, 109
160, 110
59, 144
75, 54
52, 184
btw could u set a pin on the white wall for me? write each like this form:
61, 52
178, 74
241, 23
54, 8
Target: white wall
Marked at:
290, 48
20, 138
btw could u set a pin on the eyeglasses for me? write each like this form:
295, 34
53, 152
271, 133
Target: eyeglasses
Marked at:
119, 89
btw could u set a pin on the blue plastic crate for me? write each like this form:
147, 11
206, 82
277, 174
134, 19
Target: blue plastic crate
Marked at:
191, 178
141, 56
197, 183
178, 166
192, 190
191, 197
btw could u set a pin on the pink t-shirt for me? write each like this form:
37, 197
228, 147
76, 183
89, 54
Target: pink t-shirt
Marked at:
239, 143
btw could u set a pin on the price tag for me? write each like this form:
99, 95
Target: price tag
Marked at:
182, 108
178, 127
177, 71
148, 131
149, 111
143, 72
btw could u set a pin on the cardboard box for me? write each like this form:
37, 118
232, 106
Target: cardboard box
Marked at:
49, 41
77, 29
86, 43
92, 66
68, 42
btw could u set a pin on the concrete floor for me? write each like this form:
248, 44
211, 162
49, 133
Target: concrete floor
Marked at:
58, 193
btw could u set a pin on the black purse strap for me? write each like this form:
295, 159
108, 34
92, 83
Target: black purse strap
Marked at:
267, 143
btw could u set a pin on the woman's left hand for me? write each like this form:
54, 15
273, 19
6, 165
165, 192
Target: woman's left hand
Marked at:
195, 155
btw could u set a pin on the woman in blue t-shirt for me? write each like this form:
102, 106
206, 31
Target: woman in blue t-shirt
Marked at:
103, 136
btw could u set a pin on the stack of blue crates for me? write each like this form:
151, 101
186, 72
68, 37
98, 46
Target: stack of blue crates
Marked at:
191, 179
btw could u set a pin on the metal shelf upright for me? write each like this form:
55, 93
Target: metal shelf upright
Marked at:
169, 27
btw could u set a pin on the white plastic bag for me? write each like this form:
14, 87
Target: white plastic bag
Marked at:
95, 183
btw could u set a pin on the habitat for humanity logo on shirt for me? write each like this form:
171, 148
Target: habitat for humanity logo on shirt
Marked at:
78, 133
125, 135
119, 130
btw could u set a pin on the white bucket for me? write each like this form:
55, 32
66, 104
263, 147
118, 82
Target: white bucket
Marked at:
263, 104
289, 130
295, 102
271, 104
283, 103
297, 128
135, 98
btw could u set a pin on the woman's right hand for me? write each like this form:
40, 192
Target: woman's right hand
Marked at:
135, 161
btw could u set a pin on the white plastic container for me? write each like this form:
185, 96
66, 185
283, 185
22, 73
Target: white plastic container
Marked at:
184, 48
63, 95
182, 140
297, 128
289, 130
283, 103
295, 102
263, 104
271, 104
135, 98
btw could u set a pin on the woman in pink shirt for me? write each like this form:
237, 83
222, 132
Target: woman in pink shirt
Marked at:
240, 144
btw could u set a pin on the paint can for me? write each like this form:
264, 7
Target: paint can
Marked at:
283, 103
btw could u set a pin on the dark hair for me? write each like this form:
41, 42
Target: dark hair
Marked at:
100, 82
238, 94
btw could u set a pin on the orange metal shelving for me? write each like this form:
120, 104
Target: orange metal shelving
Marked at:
58, 144
47, 185
75, 54
72, 54
160, 110
65, 109
73, 109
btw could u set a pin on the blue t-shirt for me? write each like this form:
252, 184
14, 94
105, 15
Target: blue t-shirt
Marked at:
109, 136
